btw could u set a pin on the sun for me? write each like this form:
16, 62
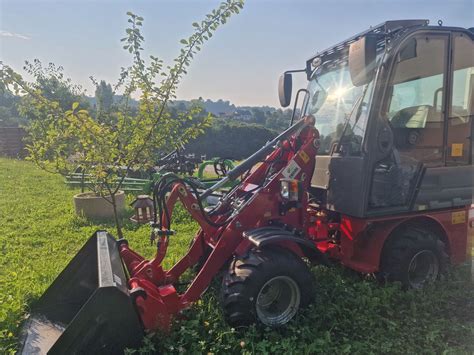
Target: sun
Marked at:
338, 93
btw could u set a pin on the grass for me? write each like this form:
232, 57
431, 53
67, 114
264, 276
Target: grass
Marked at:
39, 234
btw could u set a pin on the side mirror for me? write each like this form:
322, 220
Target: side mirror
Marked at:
362, 55
284, 89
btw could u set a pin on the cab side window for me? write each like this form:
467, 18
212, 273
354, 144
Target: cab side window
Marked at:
461, 110
416, 99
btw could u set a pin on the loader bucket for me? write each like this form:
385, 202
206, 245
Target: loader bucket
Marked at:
87, 309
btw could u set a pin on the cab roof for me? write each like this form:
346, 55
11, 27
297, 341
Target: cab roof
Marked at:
382, 30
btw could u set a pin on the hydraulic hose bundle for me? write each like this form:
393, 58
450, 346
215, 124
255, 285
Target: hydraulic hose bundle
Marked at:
162, 216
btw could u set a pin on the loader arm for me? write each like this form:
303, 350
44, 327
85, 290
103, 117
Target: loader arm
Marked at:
253, 203
280, 148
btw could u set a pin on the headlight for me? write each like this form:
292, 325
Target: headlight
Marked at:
290, 190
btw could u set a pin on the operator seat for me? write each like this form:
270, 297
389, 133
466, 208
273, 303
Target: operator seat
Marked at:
418, 133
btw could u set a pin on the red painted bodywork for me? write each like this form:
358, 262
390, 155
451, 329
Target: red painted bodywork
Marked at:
359, 243
362, 240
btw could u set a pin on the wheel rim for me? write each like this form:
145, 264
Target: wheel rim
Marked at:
278, 301
423, 268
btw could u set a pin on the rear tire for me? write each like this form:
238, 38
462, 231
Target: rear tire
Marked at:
268, 285
415, 257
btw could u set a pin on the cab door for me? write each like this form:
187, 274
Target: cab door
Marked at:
413, 107
429, 105
461, 102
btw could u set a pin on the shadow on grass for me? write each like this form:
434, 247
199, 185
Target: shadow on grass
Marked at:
106, 223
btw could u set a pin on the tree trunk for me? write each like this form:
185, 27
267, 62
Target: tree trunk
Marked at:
116, 217
82, 180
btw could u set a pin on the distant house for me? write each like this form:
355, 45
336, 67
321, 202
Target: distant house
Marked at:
239, 115
242, 115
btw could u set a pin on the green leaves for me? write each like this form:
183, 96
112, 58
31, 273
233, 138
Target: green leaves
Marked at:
133, 38
157, 127
64, 136
347, 316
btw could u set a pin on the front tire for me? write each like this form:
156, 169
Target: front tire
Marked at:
415, 257
268, 286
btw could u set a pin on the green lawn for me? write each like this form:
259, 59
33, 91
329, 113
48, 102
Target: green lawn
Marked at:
39, 234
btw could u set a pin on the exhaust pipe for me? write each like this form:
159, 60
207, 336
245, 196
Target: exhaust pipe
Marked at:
87, 309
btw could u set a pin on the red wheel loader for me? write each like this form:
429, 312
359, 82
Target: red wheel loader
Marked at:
376, 175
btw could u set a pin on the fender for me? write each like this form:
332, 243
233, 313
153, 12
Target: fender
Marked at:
264, 236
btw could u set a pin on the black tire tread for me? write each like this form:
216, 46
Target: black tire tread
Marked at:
243, 281
403, 244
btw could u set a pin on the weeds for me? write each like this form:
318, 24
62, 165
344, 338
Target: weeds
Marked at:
39, 234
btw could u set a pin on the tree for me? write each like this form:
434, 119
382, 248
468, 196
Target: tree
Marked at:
9, 115
54, 86
279, 119
258, 116
225, 138
104, 95
62, 139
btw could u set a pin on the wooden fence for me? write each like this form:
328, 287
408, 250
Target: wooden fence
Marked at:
11, 142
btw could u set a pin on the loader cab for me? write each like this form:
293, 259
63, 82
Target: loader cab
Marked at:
394, 108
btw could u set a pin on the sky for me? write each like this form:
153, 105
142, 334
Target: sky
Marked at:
241, 62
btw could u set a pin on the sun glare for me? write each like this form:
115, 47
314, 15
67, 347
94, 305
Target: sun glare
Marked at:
338, 93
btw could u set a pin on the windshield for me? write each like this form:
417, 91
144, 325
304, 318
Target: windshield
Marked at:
332, 101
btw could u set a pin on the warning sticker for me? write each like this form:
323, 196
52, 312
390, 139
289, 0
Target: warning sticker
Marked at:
291, 170
456, 149
304, 156
458, 217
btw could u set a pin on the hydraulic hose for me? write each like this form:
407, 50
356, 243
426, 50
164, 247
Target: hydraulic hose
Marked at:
159, 199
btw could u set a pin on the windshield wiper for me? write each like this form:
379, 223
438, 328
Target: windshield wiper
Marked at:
357, 106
